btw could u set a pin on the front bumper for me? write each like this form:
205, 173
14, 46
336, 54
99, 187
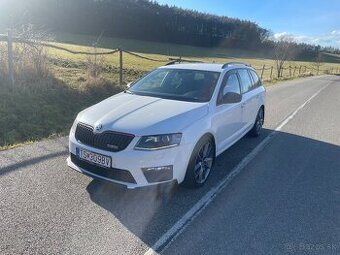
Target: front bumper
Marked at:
127, 165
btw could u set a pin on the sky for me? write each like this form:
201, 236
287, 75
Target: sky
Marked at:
310, 21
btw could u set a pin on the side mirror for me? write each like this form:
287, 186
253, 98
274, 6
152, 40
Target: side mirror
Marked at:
129, 85
231, 98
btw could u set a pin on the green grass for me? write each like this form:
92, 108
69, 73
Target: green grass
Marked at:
37, 107
163, 51
142, 65
148, 47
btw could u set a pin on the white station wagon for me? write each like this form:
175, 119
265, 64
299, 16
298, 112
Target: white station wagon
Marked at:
169, 125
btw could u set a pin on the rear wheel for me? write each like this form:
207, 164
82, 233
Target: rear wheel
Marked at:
201, 163
257, 128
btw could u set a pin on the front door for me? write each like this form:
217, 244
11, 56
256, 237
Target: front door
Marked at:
227, 120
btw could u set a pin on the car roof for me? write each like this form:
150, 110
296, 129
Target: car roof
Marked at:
205, 66
196, 66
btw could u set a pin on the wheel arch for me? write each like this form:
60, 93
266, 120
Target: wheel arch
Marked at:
208, 135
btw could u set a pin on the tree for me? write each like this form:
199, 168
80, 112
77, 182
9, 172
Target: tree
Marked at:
284, 50
134, 19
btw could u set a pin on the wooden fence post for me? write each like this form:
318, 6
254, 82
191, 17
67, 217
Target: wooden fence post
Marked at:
318, 70
10, 56
300, 70
290, 71
271, 72
120, 67
294, 71
262, 71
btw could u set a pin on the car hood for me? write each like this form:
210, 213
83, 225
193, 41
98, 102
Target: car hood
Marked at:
143, 115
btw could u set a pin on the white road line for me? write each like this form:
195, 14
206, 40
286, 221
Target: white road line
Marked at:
166, 239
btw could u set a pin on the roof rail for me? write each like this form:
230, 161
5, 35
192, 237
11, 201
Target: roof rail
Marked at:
180, 60
233, 63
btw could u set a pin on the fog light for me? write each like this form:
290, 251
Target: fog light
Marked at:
158, 174
158, 168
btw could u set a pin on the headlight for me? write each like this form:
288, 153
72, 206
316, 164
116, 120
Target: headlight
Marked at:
157, 142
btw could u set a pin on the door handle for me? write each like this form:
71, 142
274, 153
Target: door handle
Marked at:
243, 104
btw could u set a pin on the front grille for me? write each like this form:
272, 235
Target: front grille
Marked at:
108, 140
111, 173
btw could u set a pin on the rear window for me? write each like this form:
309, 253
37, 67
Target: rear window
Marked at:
256, 79
246, 82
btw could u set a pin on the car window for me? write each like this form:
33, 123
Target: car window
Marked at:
232, 85
246, 81
256, 79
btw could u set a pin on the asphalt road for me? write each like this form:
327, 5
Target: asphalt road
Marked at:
285, 201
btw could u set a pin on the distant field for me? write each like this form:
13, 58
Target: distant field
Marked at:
157, 48
163, 51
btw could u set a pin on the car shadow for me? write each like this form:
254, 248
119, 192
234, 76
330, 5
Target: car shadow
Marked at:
150, 212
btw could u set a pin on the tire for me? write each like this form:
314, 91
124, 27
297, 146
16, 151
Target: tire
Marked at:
257, 128
201, 163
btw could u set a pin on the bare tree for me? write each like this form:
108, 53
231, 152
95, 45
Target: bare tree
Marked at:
31, 57
284, 51
95, 63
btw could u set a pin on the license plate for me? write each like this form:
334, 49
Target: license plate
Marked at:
94, 158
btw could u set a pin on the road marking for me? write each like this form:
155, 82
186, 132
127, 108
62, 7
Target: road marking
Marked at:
165, 240
292, 115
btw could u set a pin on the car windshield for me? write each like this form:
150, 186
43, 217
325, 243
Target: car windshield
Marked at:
177, 84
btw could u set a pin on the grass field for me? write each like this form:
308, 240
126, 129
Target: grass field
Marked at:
38, 106
163, 51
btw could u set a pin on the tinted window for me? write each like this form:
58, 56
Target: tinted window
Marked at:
256, 79
246, 82
232, 84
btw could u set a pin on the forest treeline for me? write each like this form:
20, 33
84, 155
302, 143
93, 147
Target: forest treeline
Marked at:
142, 20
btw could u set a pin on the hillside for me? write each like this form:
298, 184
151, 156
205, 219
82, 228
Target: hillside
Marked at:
143, 20
136, 19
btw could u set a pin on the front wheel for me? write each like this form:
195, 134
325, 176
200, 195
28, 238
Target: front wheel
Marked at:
201, 163
257, 128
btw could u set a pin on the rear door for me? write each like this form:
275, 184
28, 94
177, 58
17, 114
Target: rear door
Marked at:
249, 98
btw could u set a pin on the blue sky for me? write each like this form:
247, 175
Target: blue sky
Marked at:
311, 21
